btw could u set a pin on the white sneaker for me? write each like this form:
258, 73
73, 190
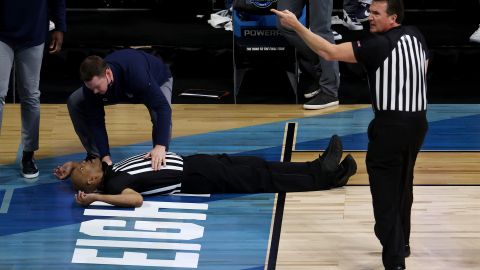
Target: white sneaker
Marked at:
475, 37
336, 20
336, 35
350, 21
220, 18
228, 26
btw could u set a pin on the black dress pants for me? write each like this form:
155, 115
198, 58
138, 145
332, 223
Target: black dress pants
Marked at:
245, 174
395, 139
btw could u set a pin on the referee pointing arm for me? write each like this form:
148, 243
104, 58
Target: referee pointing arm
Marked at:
396, 59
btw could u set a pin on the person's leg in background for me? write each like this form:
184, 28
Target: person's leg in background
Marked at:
6, 58
28, 63
327, 71
79, 116
307, 59
325, 76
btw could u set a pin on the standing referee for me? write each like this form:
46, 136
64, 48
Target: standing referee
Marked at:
395, 58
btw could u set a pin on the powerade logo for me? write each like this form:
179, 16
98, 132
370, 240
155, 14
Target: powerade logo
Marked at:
261, 32
261, 3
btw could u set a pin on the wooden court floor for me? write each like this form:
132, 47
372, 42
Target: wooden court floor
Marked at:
321, 230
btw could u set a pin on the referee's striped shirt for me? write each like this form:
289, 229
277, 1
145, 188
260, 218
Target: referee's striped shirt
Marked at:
137, 173
396, 63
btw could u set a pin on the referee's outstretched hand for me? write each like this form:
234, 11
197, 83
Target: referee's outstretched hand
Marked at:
287, 18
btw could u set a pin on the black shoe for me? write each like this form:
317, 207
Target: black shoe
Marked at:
362, 12
347, 168
407, 250
332, 155
312, 90
29, 168
321, 101
396, 267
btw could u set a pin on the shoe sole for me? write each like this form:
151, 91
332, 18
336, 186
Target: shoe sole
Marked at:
318, 107
30, 176
362, 20
311, 94
352, 27
351, 170
474, 40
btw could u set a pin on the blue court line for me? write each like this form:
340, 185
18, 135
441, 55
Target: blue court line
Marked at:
457, 134
352, 125
7, 197
9, 191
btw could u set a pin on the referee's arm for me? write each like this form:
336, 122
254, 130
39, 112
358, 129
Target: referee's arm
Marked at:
331, 52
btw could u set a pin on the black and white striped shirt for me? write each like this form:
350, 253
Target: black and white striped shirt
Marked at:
137, 173
396, 63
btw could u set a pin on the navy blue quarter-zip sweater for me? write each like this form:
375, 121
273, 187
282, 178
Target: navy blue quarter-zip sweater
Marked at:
24, 23
137, 78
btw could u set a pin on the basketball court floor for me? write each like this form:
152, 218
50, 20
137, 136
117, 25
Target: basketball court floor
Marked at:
41, 226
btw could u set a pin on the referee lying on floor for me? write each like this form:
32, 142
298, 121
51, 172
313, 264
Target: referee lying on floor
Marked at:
124, 183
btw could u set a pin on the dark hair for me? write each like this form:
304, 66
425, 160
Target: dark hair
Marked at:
394, 7
92, 66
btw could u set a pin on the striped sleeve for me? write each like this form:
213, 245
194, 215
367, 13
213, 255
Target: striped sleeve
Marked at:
396, 63
400, 81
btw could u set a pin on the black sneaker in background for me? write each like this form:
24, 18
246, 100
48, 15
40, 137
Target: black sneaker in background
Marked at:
321, 101
29, 168
307, 85
350, 21
363, 12
312, 90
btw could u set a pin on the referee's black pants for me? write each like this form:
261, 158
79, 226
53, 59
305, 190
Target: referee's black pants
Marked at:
395, 139
245, 174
